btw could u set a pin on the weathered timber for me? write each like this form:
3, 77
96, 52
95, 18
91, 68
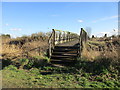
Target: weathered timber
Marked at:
66, 47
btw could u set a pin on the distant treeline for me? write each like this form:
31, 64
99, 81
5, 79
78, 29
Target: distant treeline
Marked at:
5, 36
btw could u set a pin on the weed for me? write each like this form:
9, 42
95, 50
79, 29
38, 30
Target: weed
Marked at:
23, 62
35, 71
30, 64
10, 67
47, 59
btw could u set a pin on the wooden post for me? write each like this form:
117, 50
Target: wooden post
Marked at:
80, 41
53, 37
105, 35
93, 36
59, 37
64, 37
69, 36
56, 39
50, 52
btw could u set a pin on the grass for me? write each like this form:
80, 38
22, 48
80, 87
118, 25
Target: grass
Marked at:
31, 69
58, 78
96, 42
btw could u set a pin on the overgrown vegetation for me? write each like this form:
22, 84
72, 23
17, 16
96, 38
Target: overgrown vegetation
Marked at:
26, 65
55, 77
22, 48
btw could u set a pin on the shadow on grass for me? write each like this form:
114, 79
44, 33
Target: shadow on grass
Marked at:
5, 63
78, 67
96, 67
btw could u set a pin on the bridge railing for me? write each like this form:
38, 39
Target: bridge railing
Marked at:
59, 36
82, 39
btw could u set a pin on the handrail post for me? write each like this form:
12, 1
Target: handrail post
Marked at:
50, 52
53, 37
81, 42
65, 37
59, 37
68, 36
56, 38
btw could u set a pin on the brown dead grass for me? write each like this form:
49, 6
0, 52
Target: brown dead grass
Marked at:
27, 46
108, 52
91, 55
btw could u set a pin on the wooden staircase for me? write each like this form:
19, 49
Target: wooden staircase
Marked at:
65, 47
64, 55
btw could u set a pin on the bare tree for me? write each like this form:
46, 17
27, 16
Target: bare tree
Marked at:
88, 30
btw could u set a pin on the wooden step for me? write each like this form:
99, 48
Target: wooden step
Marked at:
62, 61
66, 47
62, 53
62, 50
60, 57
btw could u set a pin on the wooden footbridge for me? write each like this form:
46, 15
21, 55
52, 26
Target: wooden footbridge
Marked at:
65, 47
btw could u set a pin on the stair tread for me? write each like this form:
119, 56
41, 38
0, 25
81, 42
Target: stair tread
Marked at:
70, 61
62, 60
59, 58
65, 54
60, 50
66, 47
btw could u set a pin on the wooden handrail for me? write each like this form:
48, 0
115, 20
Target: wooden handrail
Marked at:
59, 36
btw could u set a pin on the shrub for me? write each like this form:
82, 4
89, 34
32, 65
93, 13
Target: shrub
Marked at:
42, 61
35, 70
37, 61
47, 59
23, 62
11, 67
5, 36
30, 64
6, 63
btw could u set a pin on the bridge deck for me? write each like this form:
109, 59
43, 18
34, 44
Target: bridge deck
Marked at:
71, 43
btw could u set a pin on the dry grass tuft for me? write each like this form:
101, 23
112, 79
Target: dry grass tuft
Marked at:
90, 54
10, 51
25, 46
109, 49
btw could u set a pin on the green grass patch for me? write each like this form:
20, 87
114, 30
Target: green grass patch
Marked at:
58, 78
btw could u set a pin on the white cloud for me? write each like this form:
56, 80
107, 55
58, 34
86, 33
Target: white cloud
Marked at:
6, 24
15, 29
105, 18
13, 35
113, 32
80, 21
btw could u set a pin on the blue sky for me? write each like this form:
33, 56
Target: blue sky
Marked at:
25, 18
